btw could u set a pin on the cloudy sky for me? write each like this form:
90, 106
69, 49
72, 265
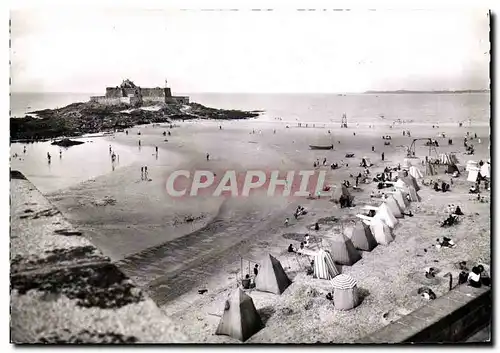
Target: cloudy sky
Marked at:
60, 50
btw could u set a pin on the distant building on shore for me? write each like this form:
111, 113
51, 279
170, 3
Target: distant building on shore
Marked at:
129, 93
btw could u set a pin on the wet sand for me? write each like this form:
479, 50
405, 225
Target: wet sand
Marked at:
145, 232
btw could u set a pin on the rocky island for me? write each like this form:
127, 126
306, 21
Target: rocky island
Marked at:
122, 107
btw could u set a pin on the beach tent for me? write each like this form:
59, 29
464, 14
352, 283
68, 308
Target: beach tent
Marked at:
429, 169
385, 214
407, 163
413, 194
361, 236
485, 170
452, 168
410, 181
340, 190
342, 250
381, 232
271, 278
345, 292
402, 200
393, 206
471, 164
240, 319
453, 158
400, 184
415, 172
324, 268
473, 174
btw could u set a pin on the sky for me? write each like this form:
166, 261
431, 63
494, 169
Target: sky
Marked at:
85, 50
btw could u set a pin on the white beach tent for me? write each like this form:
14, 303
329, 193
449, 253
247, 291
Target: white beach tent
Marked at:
485, 170
385, 214
324, 268
473, 174
381, 231
415, 172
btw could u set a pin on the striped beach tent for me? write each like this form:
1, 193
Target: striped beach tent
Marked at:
324, 268
345, 292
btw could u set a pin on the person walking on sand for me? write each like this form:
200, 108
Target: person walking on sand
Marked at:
24, 150
156, 149
208, 156
48, 156
287, 220
383, 156
60, 154
142, 173
146, 173
373, 148
139, 143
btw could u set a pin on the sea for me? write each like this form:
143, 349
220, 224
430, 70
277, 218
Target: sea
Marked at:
442, 109
73, 166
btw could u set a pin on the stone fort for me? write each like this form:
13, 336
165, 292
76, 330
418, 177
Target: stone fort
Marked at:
129, 93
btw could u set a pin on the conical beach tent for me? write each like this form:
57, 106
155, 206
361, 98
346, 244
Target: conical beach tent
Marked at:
485, 170
400, 197
340, 190
240, 319
415, 172
345, 292
381, 232
452, 168
361, 236
411, 181
271, 278
385, 214
429, 169
324, 268
342, 250
413, 194
392, 204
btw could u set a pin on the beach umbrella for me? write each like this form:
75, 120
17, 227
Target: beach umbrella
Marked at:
345, 292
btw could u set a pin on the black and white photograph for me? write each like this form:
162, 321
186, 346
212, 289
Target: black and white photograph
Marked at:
250, 176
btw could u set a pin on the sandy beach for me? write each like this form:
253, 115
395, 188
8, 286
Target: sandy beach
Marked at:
146, 232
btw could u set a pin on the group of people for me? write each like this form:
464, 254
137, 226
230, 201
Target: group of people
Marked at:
303, 244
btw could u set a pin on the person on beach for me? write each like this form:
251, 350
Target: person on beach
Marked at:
373, 148
142, 173
324, 161
156, 149
164, 133
110, 150
316, 226
24, 150
404, 132
220, 127
287, 220
256, 270
126, 132
48, 156
146, 173
139, 143
169, 134
208, 156
60, 154
383, 156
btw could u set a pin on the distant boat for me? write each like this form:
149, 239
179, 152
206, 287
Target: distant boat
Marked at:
321, 147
